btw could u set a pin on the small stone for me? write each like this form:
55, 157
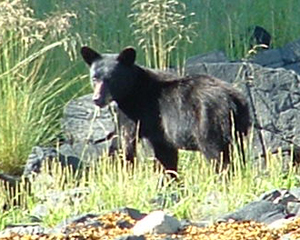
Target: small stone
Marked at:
131, 237
157, 222
133, 213
280, 223
124, 224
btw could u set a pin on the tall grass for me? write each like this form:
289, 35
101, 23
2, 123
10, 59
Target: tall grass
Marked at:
28, 90
160, 26
224, 24
221, 25
200, 193
103, 25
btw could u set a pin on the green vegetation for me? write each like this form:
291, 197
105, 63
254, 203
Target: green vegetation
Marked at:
40, 71
222, 25
160, 27
32, 85
200, 192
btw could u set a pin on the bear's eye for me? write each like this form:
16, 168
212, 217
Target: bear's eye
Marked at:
96, 78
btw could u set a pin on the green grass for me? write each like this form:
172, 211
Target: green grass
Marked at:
106, 26
107, 185
161, 27
32, 85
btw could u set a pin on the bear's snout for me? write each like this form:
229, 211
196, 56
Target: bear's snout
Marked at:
98, 97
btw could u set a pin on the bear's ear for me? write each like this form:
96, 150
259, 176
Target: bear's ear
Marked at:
127, 56
89, 55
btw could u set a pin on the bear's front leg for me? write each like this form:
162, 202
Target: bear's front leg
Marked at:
167, 155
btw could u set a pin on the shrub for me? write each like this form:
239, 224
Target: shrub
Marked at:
27, 92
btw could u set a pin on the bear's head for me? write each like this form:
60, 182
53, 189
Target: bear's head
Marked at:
112, 75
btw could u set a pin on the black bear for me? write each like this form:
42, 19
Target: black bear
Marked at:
191, 113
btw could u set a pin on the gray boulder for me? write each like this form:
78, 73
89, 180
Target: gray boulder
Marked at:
89, 133
87, 125
131, 237
22, 229
259, 211
156, 222
269, 58
289, 198
274, 208
66, 155
287, 57
211, 57
92, 131
291, 52
36, 158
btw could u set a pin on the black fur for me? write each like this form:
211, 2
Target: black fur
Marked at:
192, 113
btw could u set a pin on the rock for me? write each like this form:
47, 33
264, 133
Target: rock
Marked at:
229, 71
287, 237
90, 132
133, 213
185, 223
122, 224
40, 183
294, 66
161, 200
281, 223
83, 121
87, 220
271, 196
36, 158
279, 196
79, 155
10, 181
293, 208
15, 188
22, 229
131, 237
66, 156
295, 192
156, 222
287, 57
88, 129
211, 57
39, 212
270, 58
289, 198
291, 52
259, 211
59, 198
